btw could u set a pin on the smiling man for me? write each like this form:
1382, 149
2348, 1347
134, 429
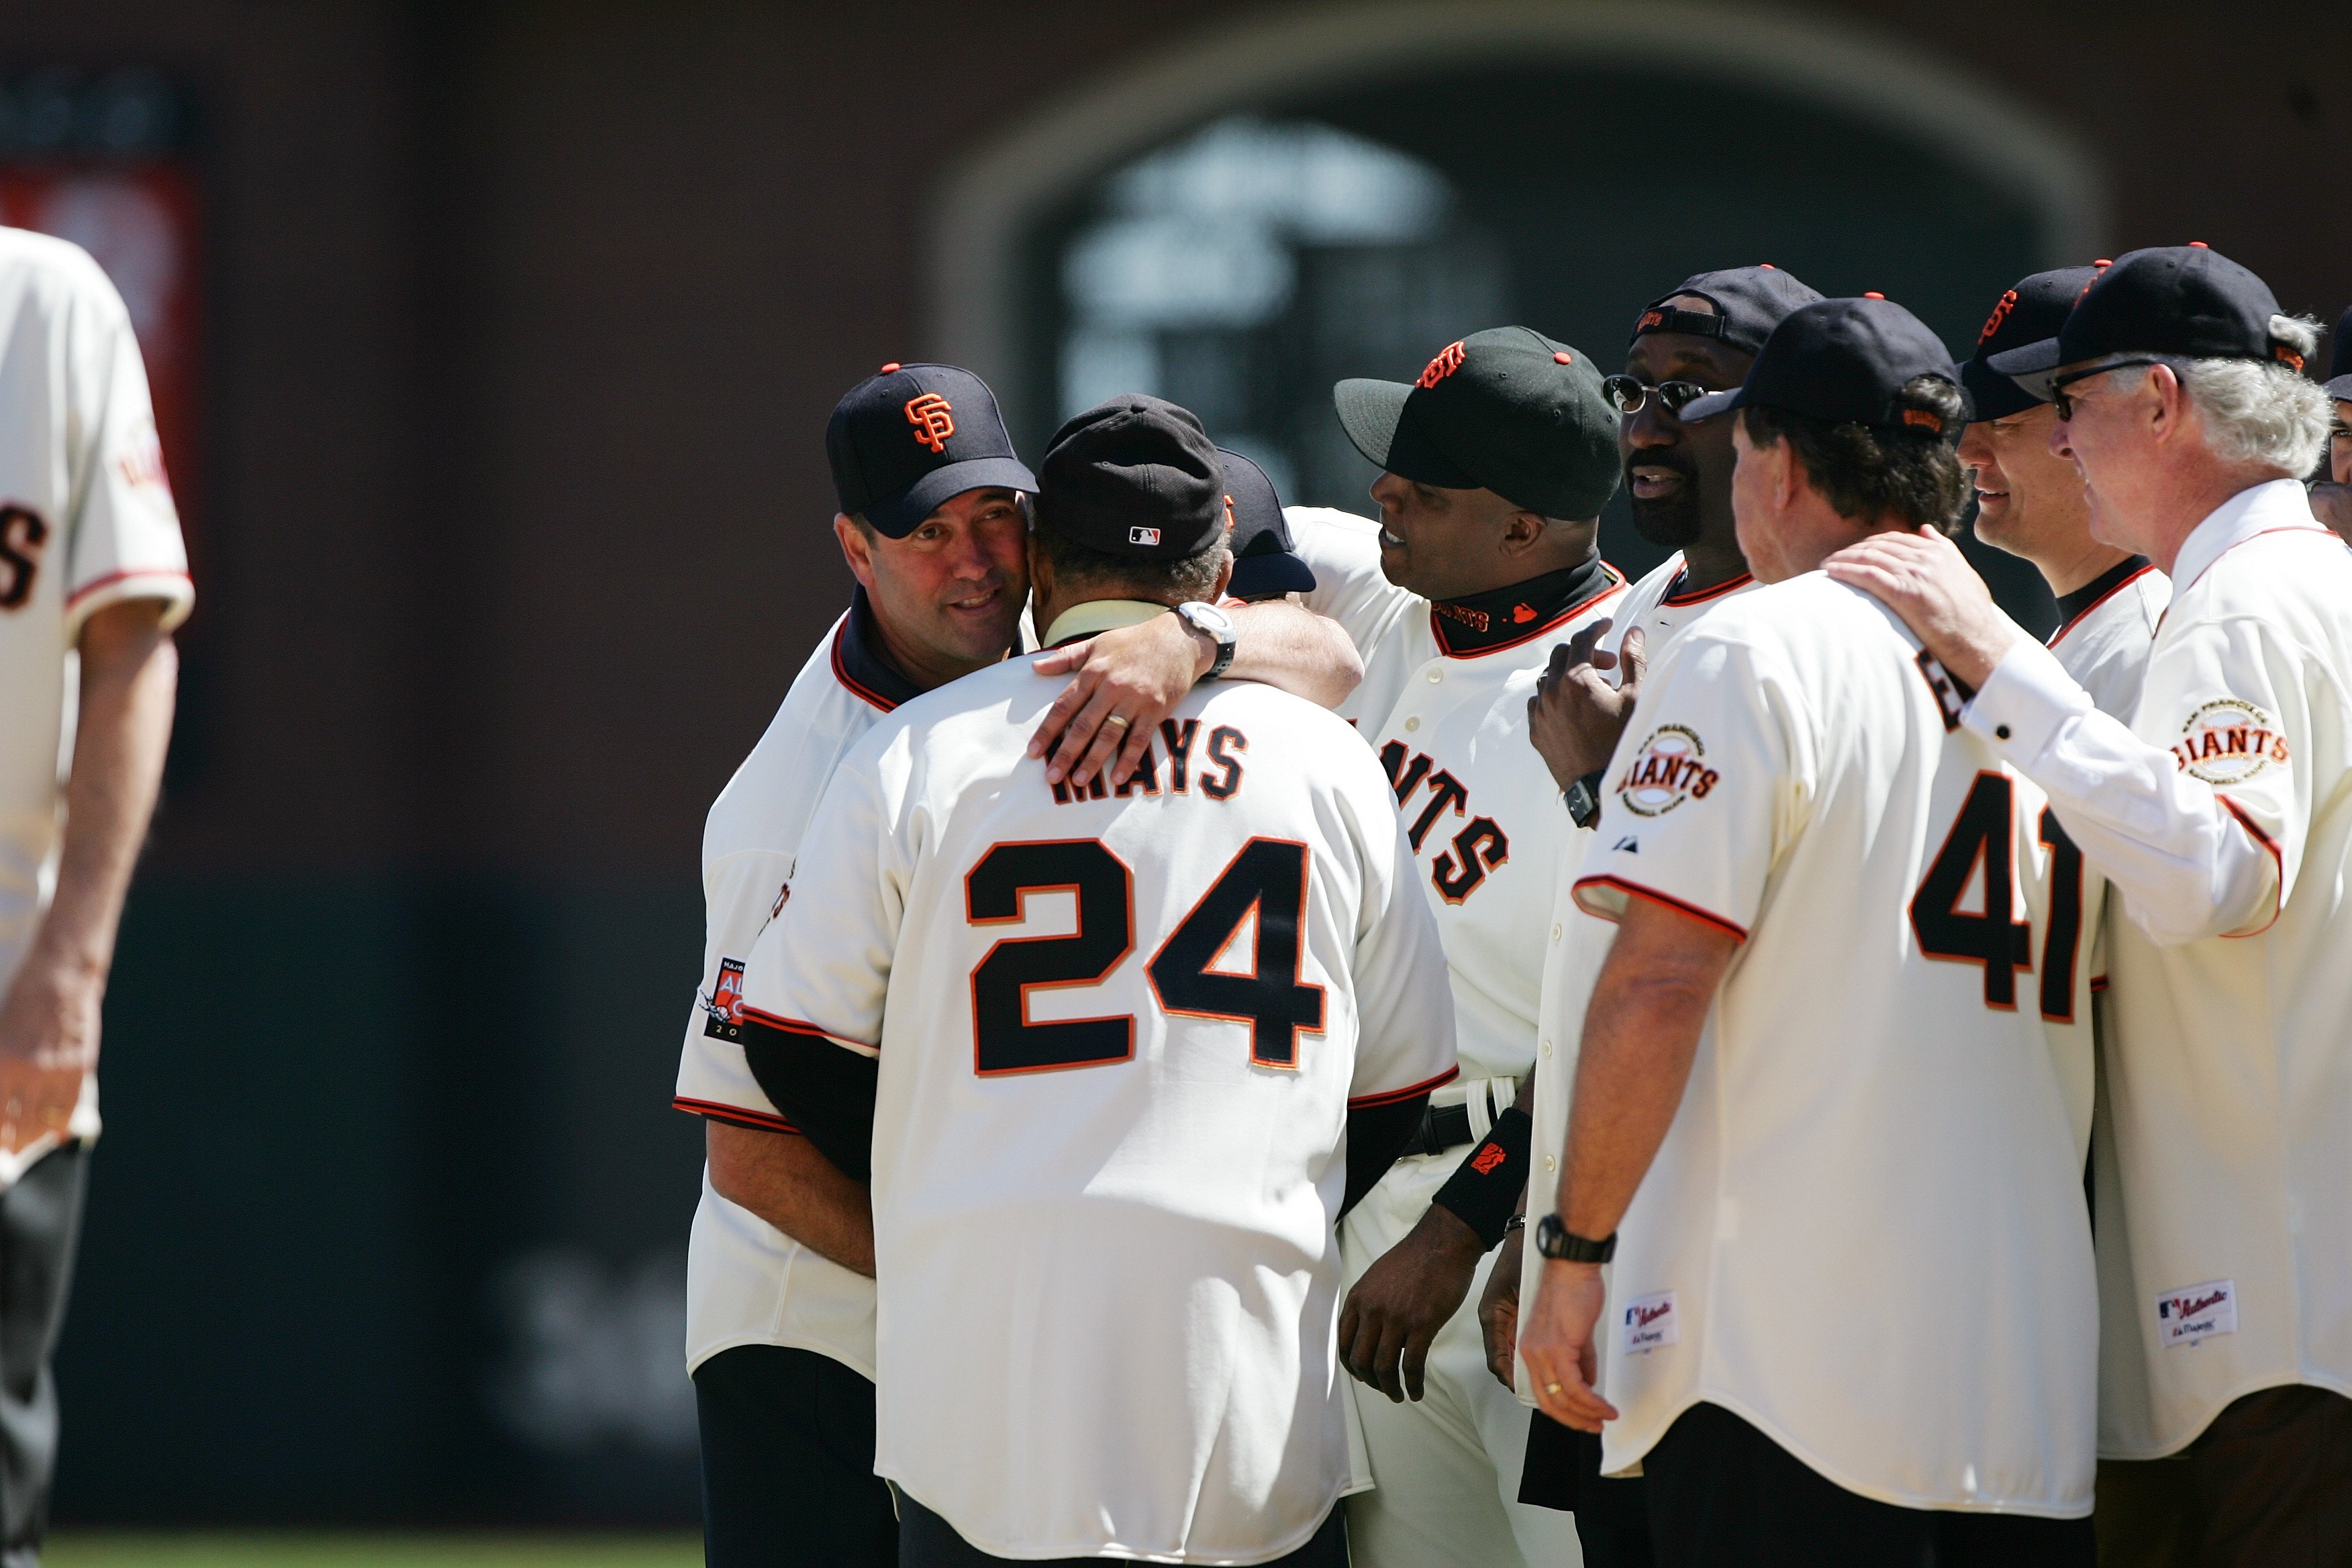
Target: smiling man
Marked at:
780, 1290
1496, 462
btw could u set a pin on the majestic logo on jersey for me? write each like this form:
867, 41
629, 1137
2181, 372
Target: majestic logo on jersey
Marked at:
933, 417
1668, 770
22, 534
2198, 1313
1448, 361
1651, 1323
723, 1008
1479, 847
2228, 742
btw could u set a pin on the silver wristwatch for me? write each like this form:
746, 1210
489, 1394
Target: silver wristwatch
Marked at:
1217, 627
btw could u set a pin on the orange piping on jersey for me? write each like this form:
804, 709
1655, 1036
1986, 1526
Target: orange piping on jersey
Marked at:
1678, 601
1665, 901
1437, 630
86, 589
719, 1111
841, 673
2085, 612
2278, 893
1390, 1097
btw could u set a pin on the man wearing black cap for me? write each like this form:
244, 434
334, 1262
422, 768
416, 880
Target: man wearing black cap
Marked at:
1853, 1314
1099, 1048
780, 1295
2218, 813
2331, 499
1498, 461
1703, 337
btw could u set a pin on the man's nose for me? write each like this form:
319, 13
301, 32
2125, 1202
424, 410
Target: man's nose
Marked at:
1651, 425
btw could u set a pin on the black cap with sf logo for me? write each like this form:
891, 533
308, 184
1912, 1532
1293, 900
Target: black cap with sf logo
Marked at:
1136, 476
2183, 301
911, 437
1844, 361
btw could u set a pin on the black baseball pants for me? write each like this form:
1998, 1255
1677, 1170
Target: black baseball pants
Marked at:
40, 1221
788, 1475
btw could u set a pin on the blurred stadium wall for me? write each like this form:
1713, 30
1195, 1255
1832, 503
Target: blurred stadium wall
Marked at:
499, 340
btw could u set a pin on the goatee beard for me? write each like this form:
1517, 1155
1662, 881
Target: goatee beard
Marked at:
1671, 523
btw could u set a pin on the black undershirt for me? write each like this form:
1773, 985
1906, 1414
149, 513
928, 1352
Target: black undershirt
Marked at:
2071, 606
1499, 617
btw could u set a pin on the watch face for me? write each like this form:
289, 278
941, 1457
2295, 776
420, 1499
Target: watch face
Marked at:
1209, 619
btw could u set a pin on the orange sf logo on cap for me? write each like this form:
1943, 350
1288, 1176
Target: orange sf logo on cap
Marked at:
2000, 314
1448, 361
933, 417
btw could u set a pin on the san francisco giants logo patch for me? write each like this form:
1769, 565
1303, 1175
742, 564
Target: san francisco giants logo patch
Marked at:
1668, 770
2228, 742
933, 417
1448, 361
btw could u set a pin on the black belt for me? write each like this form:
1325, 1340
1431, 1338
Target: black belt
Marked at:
1442, 1127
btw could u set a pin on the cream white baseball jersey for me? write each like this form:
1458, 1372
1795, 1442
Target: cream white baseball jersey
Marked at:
1865, 1231
748, 1282
1116, 1036
2105, 631
1662, 607
2223, 819
86, 520
1449, 722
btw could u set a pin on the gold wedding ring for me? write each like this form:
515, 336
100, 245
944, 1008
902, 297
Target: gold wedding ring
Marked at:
1121, 720
1551, 1388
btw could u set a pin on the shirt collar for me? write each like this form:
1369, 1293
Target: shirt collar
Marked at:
1483, 623
1100, 615
859, 663
2072, 608
2264, 507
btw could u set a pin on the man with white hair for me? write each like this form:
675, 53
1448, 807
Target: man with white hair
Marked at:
2218, 813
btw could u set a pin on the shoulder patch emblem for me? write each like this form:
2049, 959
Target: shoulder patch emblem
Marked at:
1669, 769
2228, 742
723, 1008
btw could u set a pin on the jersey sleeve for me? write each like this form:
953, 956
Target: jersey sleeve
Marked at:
2200, 830
1696, 808
814, 986
1344, 553
123, 531
741, 892
1404, 1001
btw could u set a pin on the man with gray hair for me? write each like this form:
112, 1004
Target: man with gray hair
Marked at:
2225, 1194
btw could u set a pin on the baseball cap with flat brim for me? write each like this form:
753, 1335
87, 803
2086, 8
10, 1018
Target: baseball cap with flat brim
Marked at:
2168, 302
910, 437
1845, 361
1506, 410
1265, 564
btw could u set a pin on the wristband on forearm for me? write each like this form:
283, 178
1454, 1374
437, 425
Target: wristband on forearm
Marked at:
1483, 1190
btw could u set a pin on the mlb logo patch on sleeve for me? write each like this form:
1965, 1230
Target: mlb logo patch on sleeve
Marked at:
2188, 1316
1651, 1323
723, 1008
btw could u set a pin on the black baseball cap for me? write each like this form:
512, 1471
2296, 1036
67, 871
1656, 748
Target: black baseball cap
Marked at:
911, 435
1844, 361
2339, 359
2189, 301
1749, 301
1136, 477
1265, 563
1507, 410
2029, 313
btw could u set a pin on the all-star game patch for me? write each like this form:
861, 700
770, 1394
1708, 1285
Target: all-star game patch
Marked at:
722, 1010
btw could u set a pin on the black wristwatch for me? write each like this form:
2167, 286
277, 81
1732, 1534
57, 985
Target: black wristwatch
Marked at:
1556, 1241
1583, 805
1217, 627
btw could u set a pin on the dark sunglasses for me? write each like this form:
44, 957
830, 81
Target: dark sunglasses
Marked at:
1628, 393
2065, 404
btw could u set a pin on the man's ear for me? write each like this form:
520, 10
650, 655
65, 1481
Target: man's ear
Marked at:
1786, 472
2168, 406
1041, 571
1523, 533
1225, 579
856, 549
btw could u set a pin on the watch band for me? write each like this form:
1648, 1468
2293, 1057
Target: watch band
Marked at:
1583, 805
1199, 618
1557, 1241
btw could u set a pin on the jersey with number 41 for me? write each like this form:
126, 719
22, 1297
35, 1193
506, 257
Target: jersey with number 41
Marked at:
1864, 1232
1118, 1032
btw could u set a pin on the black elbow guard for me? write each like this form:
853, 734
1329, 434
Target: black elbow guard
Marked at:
1483, 1190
